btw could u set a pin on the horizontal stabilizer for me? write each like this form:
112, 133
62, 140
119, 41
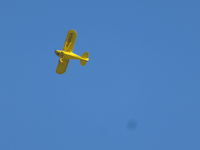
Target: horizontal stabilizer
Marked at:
83, 62
86, 59
85, 55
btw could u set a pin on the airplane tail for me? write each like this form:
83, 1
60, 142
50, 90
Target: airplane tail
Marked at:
86, 58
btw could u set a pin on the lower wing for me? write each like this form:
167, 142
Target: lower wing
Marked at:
62, 66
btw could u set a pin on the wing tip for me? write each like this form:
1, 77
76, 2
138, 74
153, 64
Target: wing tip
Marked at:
72, 31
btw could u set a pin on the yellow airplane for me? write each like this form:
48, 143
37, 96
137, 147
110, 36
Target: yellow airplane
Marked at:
66, 54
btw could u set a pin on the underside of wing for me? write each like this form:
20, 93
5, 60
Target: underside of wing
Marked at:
62, 66
70, 40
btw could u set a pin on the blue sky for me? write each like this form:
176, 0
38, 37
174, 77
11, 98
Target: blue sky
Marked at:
139, 91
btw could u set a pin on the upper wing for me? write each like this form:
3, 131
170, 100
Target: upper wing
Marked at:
62, 66
70, 40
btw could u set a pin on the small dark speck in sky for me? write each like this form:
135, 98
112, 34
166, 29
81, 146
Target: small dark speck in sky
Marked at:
132, 124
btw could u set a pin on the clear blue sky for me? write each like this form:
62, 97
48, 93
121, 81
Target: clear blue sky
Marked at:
140, 91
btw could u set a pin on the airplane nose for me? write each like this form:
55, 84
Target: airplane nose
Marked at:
56, 52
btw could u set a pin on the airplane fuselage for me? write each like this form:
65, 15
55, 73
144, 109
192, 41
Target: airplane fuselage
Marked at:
69, 55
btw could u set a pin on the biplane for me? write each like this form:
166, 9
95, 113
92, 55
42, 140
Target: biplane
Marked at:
67, 53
